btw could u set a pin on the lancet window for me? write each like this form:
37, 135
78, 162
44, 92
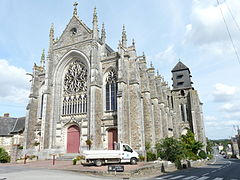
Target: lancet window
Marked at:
75, 89
111, 91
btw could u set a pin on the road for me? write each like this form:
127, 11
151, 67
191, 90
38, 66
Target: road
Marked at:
220, 169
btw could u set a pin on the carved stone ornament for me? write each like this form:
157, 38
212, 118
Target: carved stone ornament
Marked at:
111, 77
75, 80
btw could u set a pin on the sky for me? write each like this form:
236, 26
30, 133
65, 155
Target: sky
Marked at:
166, 31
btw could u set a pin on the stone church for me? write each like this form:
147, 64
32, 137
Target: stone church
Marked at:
84, 90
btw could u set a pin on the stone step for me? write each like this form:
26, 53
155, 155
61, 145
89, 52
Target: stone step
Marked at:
68, 156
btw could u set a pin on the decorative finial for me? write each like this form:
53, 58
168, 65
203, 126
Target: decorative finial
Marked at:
124, 37
133, 42
157, 72
95, 14
95, 24
151, 64
179, 59
75, 8
42, 61
103, 34
144, 57
51, 35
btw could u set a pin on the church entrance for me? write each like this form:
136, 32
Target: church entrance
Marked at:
112, 138
73, 139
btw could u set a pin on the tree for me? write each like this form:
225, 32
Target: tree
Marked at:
4, 157
209, 147
170, 149
89, 143
191, 146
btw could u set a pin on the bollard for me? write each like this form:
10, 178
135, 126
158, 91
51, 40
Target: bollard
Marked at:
162, 168
54, 159
25, 159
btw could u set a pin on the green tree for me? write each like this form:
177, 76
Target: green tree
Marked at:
170, 149
209, 147
191, 146
4, 157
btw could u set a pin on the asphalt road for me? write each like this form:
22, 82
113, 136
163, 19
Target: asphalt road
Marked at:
220, 169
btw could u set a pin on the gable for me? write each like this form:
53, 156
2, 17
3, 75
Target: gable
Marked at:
76, 31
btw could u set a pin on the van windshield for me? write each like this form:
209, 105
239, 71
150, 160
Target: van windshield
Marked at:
127, 148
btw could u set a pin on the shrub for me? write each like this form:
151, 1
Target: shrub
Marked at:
202, 154
141, 158
74, 161
4, 157
78, 158
210, 156
20, 147
147, 146
151, 156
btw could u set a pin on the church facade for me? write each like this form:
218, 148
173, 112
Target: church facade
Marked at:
88, 91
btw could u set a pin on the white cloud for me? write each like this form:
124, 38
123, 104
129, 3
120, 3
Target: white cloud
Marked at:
224, 93
207, 29
166, 56
223, 124
14, 83
210, 118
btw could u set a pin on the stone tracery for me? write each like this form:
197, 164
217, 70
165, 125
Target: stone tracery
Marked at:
75, 89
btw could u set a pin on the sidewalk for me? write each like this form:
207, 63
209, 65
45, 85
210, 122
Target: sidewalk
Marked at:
141, 170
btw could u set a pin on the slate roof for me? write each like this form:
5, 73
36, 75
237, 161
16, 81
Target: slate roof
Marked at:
180, 66
19, 125
10, 125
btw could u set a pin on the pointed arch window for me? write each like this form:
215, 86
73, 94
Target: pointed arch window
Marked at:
75, 89
111, 91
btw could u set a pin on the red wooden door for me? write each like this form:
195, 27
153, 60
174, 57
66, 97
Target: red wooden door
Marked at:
73, 139
112, 137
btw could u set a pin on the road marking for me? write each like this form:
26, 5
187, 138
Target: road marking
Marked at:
177, 177
163, 177
218, 179
202, 178
190, 177
205, 174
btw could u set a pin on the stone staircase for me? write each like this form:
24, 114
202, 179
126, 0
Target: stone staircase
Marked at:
67, 156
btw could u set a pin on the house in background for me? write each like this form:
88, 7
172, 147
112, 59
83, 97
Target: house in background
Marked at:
11, 132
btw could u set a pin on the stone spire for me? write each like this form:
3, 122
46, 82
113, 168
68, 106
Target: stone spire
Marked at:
144, 57
151, 64
124, 37
133, 43
75, 9
51, 36
103, 34
42, 61
95, 24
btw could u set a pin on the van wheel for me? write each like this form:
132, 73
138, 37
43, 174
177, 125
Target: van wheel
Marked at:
98, 162
133, 161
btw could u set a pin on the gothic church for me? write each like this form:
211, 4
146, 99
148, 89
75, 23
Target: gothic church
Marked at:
88, 91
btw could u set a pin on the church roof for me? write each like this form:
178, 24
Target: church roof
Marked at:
180, 66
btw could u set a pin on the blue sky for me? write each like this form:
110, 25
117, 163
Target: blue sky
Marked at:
192, 30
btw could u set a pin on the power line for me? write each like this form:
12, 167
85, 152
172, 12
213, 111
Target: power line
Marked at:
229, 34
234, 19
